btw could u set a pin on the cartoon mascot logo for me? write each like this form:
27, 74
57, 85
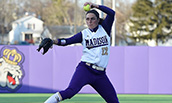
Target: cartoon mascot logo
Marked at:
11, 72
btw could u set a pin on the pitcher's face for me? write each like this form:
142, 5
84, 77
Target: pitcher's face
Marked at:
92, 21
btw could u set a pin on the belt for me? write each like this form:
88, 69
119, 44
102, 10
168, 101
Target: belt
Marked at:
95, 67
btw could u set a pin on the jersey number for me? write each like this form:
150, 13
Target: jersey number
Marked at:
105, 51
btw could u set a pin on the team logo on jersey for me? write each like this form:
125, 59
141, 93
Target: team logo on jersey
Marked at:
96, 42
11, 72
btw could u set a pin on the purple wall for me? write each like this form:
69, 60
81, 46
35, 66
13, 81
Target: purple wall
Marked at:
145, 70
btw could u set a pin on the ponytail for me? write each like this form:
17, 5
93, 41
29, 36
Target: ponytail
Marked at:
101, 20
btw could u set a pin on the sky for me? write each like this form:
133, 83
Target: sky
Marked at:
81, 2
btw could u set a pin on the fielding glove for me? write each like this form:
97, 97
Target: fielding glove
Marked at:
45, 44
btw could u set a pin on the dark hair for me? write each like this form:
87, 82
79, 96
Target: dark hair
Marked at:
96, 14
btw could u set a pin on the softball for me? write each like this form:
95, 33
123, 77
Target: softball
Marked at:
87, 7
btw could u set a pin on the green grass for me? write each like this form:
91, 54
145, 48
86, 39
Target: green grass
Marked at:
84, 98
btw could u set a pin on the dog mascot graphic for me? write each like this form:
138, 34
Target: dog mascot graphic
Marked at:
11, 72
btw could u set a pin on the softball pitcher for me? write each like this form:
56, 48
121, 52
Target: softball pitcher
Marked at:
96, 49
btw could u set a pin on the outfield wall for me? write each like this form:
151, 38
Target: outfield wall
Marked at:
132, 69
